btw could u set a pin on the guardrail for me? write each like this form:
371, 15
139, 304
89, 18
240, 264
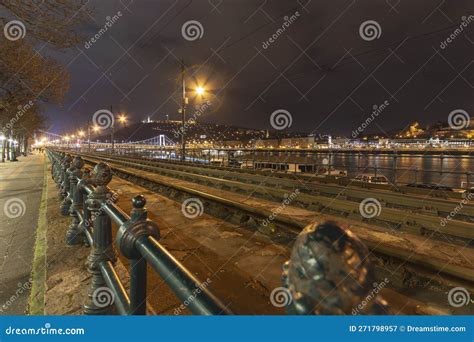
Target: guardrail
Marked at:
90, 203
308, 279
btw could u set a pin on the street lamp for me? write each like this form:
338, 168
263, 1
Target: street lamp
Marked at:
122, 119
2, 139
200, 91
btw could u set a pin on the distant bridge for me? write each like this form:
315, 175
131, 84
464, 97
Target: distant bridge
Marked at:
159, 140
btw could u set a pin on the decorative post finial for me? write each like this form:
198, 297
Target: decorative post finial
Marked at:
330, 273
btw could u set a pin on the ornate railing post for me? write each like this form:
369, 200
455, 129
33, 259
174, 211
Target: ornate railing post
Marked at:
330, 273
54, 164
64, 179
138, 226
59, 172
86, 213
66, 185
102, 249
74, 234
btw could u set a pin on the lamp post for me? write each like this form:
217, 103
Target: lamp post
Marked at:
122, 119
81, 134
113, 129
183, 112
2, 141
89, 135
184, 102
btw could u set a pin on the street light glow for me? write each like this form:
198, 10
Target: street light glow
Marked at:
200, 91
122, 118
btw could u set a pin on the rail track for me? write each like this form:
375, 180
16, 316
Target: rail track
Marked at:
416, 255
416, 213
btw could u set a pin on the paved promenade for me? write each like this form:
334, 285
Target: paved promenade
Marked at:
21, 187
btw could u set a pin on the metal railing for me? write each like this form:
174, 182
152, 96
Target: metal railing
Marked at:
306, 276
91, 204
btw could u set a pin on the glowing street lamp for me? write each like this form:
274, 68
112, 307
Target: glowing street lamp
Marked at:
200, 91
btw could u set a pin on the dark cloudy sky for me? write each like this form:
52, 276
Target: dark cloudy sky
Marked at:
320, 69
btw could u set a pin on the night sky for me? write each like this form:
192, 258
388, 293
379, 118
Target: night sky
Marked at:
319, 69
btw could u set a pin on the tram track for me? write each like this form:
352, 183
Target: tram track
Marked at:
412, 261
420, 215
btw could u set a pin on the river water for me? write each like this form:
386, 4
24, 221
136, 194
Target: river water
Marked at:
444, 170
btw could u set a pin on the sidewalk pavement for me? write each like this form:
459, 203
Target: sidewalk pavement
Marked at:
21, 188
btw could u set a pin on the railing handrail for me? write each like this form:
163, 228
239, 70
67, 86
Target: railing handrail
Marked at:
87, 197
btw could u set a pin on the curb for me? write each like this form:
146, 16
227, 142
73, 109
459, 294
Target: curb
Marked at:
38, 271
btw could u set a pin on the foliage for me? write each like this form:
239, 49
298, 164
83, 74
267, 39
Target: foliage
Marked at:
29, 79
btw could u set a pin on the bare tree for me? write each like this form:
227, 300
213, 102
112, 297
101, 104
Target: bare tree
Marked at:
29, 80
